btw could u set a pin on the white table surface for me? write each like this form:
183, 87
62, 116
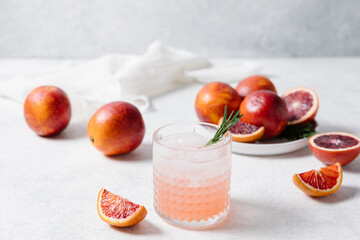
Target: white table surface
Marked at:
49, 186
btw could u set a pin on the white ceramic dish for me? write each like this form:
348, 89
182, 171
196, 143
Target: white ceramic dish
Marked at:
272, 147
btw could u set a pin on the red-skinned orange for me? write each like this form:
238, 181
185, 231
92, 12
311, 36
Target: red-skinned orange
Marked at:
47, 110
116, 128
211, 100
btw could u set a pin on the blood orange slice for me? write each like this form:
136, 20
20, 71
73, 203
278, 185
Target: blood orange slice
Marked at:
245, 132
302, 104
335, 147
118, 211
320, 183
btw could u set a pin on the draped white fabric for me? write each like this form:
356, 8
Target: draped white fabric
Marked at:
133, 78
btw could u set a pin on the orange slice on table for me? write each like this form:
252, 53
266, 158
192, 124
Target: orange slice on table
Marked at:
334, 147
320, 183
245, 132
302, 104
118, 211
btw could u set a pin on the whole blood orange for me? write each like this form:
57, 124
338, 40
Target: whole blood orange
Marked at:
245, 132
302, 104
254, 83
334, 147
116, 128
118, 211
211, 100
266, 109
47, 110
320, 183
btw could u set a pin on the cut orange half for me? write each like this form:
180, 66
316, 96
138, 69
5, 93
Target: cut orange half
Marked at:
334, 147
245, 132
118, 211
302, 104
320, 183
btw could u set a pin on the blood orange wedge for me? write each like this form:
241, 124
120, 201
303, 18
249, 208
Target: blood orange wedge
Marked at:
335, 147
245, 132
118, 211
320, 183
302, 104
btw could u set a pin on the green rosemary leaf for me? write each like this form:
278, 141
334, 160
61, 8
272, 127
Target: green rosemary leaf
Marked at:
226, 124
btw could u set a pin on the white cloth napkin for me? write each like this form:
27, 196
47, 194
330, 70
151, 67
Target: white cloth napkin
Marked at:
130, 78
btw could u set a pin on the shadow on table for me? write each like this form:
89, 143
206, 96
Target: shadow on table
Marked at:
343, 194
72, 131
353, 167
249, 216
142, 153
143, 228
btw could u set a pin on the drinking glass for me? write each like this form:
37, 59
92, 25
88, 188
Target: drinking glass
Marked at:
191, 180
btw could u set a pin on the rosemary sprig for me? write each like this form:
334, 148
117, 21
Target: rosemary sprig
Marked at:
294, 132
226, 124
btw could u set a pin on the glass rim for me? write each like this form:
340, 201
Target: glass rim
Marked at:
225, 141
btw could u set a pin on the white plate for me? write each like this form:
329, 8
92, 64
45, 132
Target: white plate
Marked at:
272, 147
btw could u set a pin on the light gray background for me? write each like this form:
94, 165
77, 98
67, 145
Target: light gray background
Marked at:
243, 28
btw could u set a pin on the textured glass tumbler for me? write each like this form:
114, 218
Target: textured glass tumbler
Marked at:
191, 180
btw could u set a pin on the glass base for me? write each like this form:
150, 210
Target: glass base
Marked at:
195, 225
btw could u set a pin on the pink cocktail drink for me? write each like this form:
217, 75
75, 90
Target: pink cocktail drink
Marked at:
191, 180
